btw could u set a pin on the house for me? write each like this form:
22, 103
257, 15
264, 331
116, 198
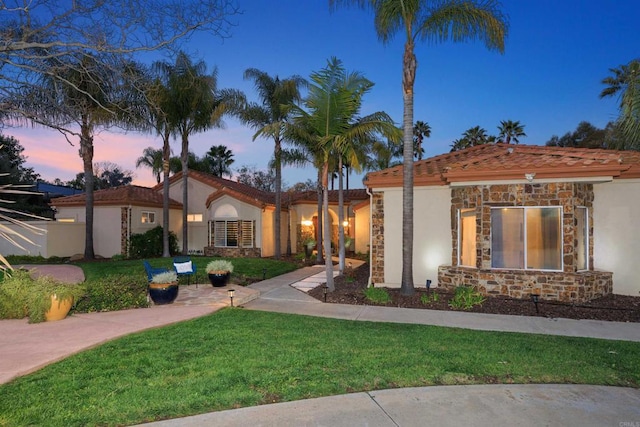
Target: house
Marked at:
224, 217
514, 220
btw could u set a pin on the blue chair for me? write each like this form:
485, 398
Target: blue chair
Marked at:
152, 271
185, 267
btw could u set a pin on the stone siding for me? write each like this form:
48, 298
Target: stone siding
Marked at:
554, 286
377, 230
232, 252
125, 226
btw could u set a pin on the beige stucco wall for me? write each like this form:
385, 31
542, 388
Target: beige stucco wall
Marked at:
616, 208
61, 239
198, 233
431, 234
362, 229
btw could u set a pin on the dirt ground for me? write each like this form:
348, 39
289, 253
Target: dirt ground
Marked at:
619, 308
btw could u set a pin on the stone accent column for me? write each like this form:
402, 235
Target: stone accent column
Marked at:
377, 232
125, 226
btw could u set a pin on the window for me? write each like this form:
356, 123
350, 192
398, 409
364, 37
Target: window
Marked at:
194, 218
526, 238
66, 219
148, 217
582, 238
233, 234
467, 237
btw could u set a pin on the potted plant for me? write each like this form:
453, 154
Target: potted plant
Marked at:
41, 298
163, 288
219, 272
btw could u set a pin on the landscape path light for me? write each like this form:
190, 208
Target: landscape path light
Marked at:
230, 292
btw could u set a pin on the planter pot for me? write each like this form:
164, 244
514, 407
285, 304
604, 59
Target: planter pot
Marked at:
163, 293
59, 309
219, 279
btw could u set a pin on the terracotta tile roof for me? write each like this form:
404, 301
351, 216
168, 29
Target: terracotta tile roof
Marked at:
123, 195
311, 196
492, 162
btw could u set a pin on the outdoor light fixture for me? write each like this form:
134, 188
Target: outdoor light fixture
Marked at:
325, 288
530, 176
428, 285
230, 292
534, 298
345, 223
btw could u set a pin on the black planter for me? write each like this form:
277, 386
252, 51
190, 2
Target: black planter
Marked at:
219, 280
163, 293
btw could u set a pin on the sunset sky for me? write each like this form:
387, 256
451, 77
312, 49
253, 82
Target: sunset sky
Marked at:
557, 53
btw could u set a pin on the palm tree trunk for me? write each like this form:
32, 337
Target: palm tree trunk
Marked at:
328, 263
341, 248
277, 157
408, 79
166, 153
86, 152
184, 158
319, 259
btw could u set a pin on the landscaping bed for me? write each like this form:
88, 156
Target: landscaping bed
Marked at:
350, 290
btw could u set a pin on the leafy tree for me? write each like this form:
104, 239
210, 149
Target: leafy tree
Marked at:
262, 180
625, 82
586, 135
384, 154
472, 137
107, 175
421, 130
308, 185
151, 158
510, 130
429, 21
219, 160
330, 123
268, 117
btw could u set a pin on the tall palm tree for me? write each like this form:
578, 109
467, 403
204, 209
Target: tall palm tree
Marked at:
510, 131
220, 159
625, 82
432, 21
331, 123
268, 118
421, 130
151, 158
196, 105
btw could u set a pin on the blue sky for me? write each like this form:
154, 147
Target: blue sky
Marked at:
548, 78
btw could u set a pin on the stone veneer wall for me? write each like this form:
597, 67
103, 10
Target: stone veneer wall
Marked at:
125, 226
377, 230
557, 286
568, 285
232, 252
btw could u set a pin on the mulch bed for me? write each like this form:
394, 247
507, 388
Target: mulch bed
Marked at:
618, 308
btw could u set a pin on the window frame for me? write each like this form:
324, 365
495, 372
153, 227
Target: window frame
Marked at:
150, 215
239, 233
585, 230
460, 213
525, 237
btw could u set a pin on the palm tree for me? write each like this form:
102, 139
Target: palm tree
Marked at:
196, 105
421, 130
331, 124
432, 21
219, 159
268, 118
510, 130
626, 83
152, 159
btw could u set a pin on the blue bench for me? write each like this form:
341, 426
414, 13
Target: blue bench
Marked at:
152, 271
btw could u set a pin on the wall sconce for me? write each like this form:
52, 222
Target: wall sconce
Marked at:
345, 223
530, 176
230, 292
307, 223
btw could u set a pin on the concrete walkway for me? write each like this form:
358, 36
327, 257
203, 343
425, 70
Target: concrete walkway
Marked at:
25, 348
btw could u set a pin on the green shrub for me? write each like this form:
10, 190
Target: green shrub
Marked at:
111, 293
117, 257
465, 298
149, 244
219, 266
427, 299
21, 295
377, 295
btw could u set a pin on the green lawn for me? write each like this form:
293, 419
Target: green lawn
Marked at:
235, 358
243, 267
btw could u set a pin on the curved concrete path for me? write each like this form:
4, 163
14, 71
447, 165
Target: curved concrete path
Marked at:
25, 348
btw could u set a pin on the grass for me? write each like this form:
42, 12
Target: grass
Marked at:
235, 358
243, 267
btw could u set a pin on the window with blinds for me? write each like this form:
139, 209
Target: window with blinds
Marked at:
233, 234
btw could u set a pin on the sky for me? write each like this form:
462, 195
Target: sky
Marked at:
549, 78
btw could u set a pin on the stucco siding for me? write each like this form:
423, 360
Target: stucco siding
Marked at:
432, 234
106, 231
616, 208
60, 239
362, 229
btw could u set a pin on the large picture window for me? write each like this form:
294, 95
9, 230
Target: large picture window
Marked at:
232, 234
526, 238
